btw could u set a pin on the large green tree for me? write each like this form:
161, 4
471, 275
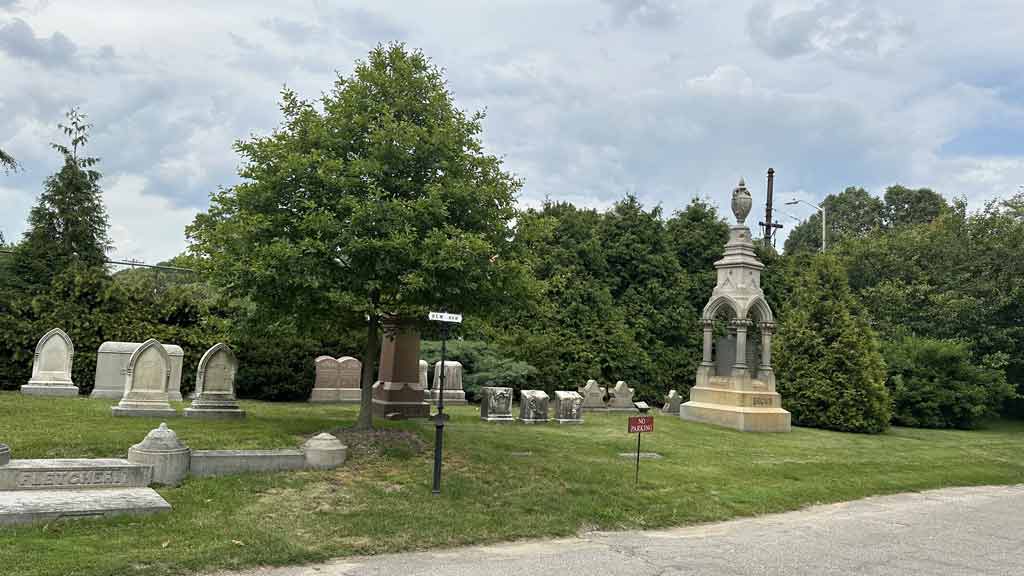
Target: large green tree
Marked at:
68, 224
377, 201
850, 214
828, 360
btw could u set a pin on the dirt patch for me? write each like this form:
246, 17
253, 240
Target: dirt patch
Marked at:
389, 443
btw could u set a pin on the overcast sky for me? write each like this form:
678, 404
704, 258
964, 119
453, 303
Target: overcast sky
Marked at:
586, 101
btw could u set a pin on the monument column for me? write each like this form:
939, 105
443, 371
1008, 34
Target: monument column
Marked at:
767, 328
740, 367
397, 394
709, 326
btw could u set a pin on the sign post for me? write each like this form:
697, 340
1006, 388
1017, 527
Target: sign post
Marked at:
446, 320
638, 425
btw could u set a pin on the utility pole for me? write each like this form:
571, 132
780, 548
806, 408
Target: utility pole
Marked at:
769, 225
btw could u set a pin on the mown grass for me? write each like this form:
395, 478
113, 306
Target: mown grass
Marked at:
572, 479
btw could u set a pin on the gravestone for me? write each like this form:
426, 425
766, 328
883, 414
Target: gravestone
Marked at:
423, 373
568, 407
622, 398
672, 402
337, 380
215, 386
5, 454
324, 452
398, 393
112, 360
533, 407
496, 404
593, 396
51, 366
146, 378
453, 392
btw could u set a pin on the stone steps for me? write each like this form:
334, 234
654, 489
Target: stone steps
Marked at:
73, 474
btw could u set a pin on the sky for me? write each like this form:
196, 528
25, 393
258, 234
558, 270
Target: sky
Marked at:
586, 101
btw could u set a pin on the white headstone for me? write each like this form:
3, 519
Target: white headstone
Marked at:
593, 396
337, 380
622, 398
496, 404
112, 361
533, 406
51, 366
146, 379
215, 385
568, 407
453, 392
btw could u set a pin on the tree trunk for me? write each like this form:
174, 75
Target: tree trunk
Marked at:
370, 358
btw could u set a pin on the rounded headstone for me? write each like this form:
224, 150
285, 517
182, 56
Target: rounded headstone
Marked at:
5, 454
324, 451
162, 450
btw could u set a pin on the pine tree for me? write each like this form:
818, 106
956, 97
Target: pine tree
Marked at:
831, 373
68, 225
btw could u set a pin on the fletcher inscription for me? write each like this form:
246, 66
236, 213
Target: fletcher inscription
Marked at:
67, 478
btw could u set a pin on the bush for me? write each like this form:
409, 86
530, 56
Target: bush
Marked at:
936, 384
482, 365
830, 371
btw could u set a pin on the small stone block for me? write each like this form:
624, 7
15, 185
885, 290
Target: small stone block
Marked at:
324, 452
22, 507
533, 407
496, 404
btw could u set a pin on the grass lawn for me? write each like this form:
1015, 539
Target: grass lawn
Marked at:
501, 482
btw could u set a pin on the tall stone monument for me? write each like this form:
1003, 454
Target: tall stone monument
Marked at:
51, 367
737, 389
146, 378
398, 393
215, 386
453, 392
337, 380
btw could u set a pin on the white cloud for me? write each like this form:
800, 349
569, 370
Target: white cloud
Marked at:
145, 227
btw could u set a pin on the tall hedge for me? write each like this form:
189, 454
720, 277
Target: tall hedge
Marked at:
830, 369
937, 384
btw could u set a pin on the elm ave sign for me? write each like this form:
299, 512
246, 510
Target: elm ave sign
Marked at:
447, 320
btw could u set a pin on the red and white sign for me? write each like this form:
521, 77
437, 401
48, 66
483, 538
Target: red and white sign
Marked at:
639, 424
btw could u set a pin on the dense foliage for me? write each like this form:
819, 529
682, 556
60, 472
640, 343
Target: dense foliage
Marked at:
482, 365
829, 366
937, 384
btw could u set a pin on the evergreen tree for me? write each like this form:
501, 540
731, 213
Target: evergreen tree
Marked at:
68, 225
7, 162
830, 369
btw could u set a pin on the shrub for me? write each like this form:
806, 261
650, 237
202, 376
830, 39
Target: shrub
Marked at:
936, 384
830, 371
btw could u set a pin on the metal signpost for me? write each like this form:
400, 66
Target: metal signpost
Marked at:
446, 320
638, 425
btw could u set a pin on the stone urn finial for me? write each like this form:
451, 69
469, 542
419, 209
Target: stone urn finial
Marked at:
741, 202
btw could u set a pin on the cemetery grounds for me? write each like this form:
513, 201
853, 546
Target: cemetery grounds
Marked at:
501, 482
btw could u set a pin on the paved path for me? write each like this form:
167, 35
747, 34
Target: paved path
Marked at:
968, 531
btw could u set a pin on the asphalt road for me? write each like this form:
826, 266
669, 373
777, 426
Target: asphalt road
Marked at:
969, 531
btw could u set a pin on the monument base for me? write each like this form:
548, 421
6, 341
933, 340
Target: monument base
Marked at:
508, 418
107, 393
143, 412
399, 401
336, 395
737, 418
214, 413
173, 396
50, 389
451, 397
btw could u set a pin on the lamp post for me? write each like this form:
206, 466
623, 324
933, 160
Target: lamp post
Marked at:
820, 209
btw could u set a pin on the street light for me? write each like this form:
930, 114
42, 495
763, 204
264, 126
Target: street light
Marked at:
820, 209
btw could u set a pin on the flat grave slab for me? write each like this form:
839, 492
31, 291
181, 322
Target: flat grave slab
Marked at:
24, 506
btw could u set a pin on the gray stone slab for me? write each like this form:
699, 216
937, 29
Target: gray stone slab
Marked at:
49, 390
73, 474
222, 462
5, 454
20, 507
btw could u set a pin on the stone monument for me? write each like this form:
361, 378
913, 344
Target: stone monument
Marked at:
215, 386
112, 360
496, 404
533, 407
398, 393
51, 366
737, 389
324, 452
453, 392
568, 407
672, 402
593, 396
146, 378
622, 398
337, 380
168, 456
423, 374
